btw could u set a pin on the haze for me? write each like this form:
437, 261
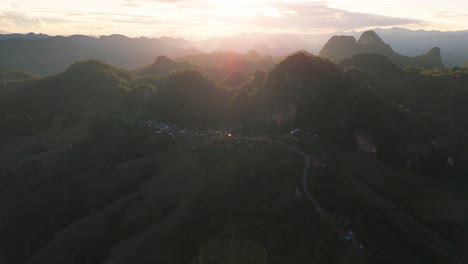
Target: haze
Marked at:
209, 18
233, 131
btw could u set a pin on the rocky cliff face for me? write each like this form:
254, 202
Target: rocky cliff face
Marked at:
339, 48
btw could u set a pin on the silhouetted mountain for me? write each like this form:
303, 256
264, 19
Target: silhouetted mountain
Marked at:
310, 91
343, 47
406, 42
136, 52
311, 87
177, 42
84, 87
372, 65
219, 65
188, 98
438, 94
164, 66
339, 47
54, 54
164, 61
370, 42
220, 58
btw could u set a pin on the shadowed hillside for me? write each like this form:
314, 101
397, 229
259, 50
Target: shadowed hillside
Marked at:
163, 66
54, 54
307, 91
84, 87
189, 99
101, 165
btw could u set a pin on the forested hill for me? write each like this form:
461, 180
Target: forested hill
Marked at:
100, 164
51, 55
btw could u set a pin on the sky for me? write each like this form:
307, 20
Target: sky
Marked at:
203, 19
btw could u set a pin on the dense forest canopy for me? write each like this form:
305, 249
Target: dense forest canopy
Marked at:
181, 154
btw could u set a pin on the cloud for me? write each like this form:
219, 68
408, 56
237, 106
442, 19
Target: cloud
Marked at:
301, 16
449, 14
207, 18
19, 19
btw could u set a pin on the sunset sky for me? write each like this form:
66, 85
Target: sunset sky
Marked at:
211, 18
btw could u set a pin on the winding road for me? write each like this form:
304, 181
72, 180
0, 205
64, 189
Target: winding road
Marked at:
305, 182
305, 174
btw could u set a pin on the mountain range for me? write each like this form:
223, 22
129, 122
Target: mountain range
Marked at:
343, 47
54, 54
4, 35
217, 66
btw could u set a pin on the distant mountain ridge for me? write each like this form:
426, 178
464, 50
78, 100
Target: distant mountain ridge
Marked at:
339, 48
45, 54
4, 35
163, 66
412, 42
50, 55
217, 66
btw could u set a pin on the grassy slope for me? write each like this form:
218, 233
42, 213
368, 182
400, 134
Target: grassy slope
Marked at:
216, 192
399, 215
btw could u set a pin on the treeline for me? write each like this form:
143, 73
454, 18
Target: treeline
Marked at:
407, 113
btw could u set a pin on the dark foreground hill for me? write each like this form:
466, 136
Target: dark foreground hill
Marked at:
343, 47
310, 91
94, 87
99, 165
